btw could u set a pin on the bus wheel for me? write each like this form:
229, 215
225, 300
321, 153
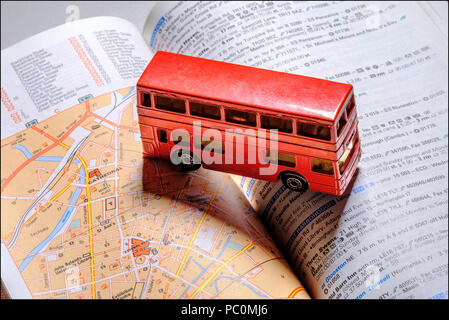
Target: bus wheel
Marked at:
188, 161
294, 182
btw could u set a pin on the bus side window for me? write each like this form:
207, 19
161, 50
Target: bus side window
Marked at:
170, 104
180, 139
205, 111
322, 166
146, 100
283, 125
241, 117
341, 123
314, 131
210, 145
283, 159
350, 106
347, 155
162, 135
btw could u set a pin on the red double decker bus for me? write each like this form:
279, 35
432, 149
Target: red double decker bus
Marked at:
314, 121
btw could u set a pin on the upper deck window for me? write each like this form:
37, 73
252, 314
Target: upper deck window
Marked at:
280, 124
146, 100
241, 117
341, 124
205, 110
314, 131
170, 104
350, 106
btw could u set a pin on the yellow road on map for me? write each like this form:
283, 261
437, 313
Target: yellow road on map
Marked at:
112, 225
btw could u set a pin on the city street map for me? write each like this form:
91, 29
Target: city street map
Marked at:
85, 216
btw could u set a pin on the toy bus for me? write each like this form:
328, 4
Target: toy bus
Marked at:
314, 121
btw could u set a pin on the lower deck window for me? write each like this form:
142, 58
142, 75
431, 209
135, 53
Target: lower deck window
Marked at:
347, 155
162, 136
181, 139
210, 145
283, 159
322, 166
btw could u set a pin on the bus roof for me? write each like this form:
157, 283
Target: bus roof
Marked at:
237, 84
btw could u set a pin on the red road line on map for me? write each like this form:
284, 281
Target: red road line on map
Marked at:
42, 132
87, 113
113, 123
24, 164
15, 172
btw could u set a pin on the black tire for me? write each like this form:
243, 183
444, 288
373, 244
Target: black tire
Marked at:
294, 182
188, 161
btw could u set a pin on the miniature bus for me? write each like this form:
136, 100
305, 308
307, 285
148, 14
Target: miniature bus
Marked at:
314, 121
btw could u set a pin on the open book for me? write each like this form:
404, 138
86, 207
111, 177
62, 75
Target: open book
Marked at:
83, 215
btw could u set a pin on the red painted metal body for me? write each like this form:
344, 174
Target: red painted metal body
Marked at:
301, 107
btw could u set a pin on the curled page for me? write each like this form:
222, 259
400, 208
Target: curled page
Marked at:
387, 236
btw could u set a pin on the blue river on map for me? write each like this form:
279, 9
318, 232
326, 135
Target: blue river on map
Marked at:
64, 219
29, 155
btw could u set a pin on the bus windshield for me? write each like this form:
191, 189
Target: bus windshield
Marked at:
347, 155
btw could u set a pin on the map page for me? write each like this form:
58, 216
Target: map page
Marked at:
85, 216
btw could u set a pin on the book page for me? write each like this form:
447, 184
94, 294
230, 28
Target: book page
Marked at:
84, 215
64, 66
387, 236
